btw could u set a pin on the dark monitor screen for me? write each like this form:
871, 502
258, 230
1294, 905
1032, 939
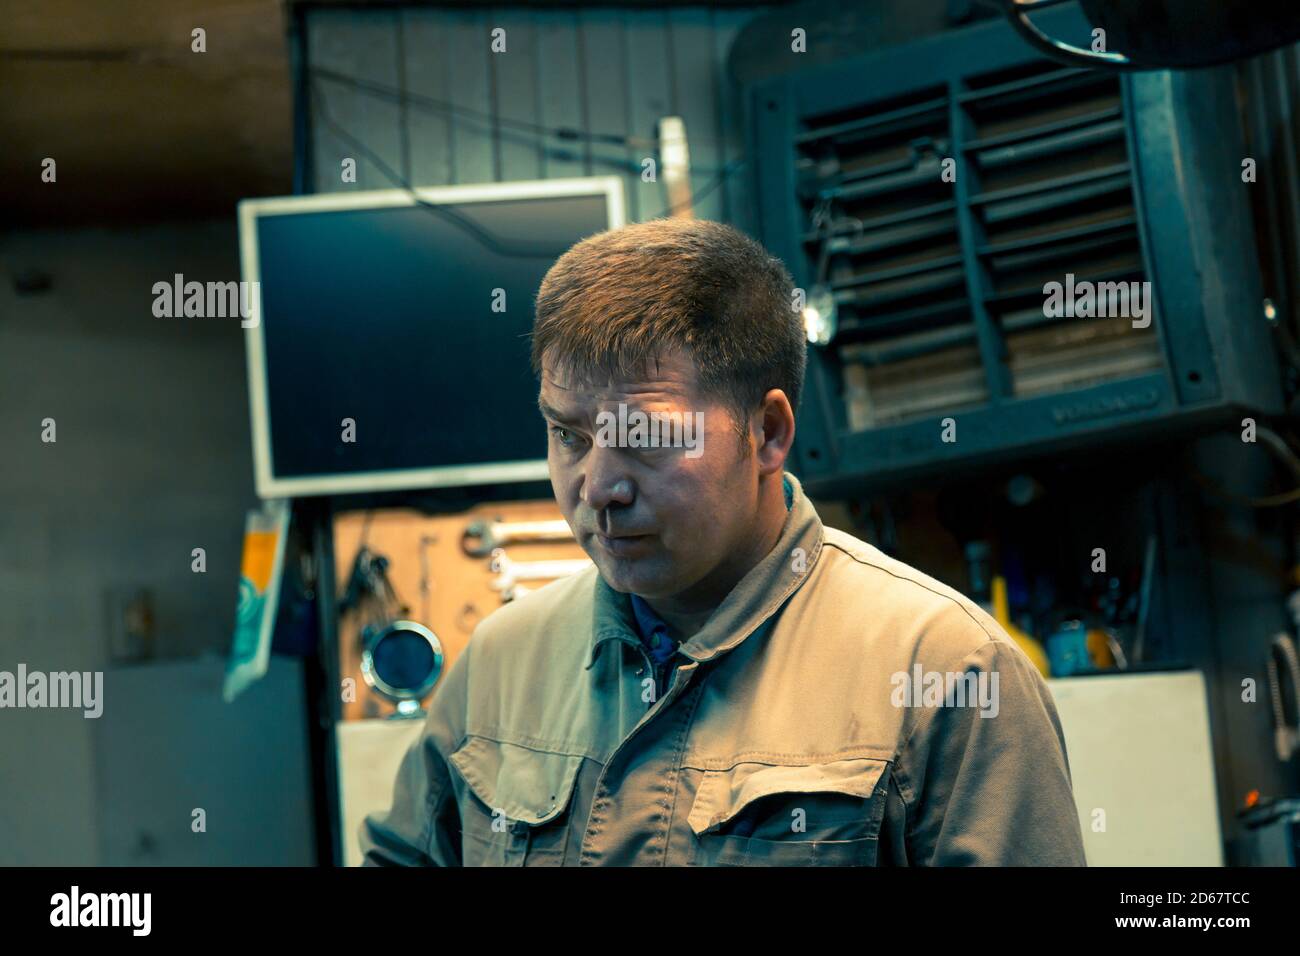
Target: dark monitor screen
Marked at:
412, 323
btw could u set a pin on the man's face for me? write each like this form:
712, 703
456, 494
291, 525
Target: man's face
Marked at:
667, 522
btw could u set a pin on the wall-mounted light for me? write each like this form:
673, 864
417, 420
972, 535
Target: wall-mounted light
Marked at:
820, 316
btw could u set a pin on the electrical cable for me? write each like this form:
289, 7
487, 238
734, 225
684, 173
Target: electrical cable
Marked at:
518, 250
1279, 446
717, 181
448, 109
1286, 734
521, 250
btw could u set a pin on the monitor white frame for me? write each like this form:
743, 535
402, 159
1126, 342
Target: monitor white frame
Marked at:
270, 485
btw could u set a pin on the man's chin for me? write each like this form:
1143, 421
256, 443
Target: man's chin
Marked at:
631, 576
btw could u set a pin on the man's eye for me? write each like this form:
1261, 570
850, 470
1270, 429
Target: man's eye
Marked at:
563, 435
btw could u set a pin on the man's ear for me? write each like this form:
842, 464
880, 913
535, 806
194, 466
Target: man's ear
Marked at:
776, 428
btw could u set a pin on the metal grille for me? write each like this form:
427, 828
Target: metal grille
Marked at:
1046, 189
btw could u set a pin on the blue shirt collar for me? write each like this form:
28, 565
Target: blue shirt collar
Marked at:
654, 632
646, 619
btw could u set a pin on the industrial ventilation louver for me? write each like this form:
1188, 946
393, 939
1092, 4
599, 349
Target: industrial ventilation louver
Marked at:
911, 257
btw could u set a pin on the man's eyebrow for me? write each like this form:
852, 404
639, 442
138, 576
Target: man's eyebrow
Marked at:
554, 413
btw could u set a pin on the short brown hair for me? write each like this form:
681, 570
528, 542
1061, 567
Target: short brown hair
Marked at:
619, 298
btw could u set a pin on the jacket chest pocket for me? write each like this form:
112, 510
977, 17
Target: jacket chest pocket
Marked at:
518, 808
762, 814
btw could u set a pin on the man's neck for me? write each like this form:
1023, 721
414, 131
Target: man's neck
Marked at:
683, 625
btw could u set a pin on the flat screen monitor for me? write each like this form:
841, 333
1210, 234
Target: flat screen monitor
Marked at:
388, 335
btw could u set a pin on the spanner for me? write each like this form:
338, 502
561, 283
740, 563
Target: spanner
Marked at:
508, 572
481, 538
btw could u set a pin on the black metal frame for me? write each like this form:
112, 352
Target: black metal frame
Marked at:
314, 518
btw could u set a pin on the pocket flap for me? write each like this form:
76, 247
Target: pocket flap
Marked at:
724, 793
525, 784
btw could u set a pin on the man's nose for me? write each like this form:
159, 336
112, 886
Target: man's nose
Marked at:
606, 482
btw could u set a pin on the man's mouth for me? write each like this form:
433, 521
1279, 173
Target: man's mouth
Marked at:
622, 545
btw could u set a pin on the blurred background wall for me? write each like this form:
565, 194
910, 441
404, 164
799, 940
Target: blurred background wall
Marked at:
151, 461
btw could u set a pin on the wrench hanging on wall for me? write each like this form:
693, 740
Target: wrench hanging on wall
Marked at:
481, 538
509, 573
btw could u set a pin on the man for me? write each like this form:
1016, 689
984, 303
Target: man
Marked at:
732, 683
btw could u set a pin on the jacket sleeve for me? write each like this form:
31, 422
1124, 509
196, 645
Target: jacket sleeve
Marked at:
422, 827
990, 785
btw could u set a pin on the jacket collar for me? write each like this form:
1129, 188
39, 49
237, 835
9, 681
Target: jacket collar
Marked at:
754, 599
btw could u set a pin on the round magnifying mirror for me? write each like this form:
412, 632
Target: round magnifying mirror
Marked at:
402, 661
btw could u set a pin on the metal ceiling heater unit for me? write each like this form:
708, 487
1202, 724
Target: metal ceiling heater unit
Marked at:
928, 194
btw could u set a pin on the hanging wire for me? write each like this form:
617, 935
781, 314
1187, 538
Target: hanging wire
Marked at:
446, 108
518, 250
1284, 452
486, 238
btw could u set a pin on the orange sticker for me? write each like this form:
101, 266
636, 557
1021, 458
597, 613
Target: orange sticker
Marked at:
258, 558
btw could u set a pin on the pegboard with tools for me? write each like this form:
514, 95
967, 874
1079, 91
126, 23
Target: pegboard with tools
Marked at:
444, 573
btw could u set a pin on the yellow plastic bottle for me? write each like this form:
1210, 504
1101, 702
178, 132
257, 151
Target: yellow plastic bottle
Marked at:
1002, 614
